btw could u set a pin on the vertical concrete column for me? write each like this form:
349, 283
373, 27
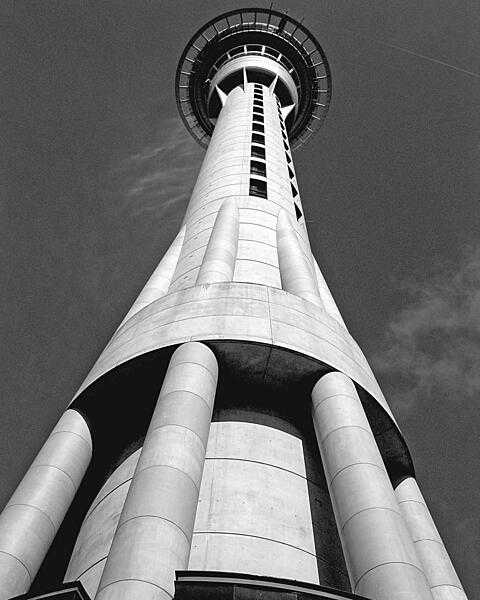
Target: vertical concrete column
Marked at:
380, 556
219, 260
295, 269
159, 281
437, 566
154, 533
326, 296
31, 519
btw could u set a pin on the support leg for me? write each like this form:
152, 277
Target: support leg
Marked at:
154, 533
31, 519
380, 557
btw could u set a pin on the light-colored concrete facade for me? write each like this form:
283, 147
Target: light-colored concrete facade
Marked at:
237, 427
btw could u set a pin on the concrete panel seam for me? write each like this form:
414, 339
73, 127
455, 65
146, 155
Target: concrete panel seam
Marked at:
133, 579
190, 317
314, 318
180, 427
153, 517
195, 301
183, 273
168, 467
355, 464
392, 562
19, 561
58, 469
429, 540
258, 537
252, 260
190, 393
259, 462
106, 496
352, 358
55, 432
333, 396
91, 566
243, 239
370, 508
192, 362
322, 441
447, 585
54, 527
223, 198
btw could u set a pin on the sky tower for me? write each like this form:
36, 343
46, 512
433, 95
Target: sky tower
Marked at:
231, 441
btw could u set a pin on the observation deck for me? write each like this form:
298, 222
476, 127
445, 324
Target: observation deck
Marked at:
257, 45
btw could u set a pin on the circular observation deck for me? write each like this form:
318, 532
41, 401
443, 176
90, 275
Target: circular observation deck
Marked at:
260, 45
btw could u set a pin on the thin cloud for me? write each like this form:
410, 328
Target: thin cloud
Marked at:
161, 175
432, 346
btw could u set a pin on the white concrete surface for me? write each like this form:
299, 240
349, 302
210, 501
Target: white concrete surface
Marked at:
296, 271
154, 532
436, 563
98, 528
219, 261
380, 556
32, 516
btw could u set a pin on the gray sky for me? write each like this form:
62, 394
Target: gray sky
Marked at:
98, 170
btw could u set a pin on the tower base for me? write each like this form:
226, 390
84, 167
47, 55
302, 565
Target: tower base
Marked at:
214, 585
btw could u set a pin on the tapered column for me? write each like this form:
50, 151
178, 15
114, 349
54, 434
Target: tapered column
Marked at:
326, 296
31, 519
296, 271
379, 553
159, 281
436, 563
219, 260
154, 533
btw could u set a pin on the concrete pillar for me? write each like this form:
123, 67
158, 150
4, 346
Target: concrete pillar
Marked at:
219, 260
155, 529
380, 556
159, 281
295, 269
31, 519
326, 296
440, 573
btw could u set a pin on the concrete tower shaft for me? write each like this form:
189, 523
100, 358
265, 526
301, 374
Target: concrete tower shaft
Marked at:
248, 165
240, 439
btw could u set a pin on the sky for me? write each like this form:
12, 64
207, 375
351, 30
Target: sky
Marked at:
97, 170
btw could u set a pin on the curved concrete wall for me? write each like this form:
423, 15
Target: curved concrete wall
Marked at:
238, 311
263, 493
263, 497
96, 534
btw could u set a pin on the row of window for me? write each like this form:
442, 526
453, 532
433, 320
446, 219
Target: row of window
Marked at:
258, 187
291, 174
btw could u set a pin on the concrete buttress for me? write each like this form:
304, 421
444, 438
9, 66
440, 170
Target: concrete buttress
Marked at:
31, 519
155, 529
380, 556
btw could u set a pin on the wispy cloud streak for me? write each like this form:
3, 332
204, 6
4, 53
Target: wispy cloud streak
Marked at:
432, 346
161, 175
